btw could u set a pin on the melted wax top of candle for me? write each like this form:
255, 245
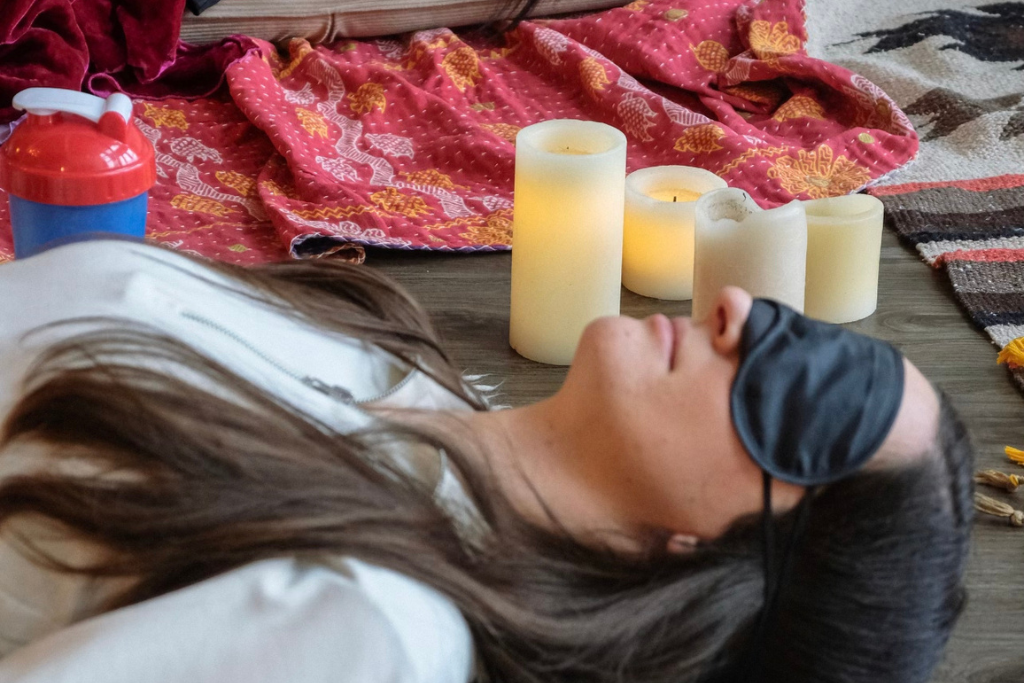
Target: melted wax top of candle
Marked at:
674, 195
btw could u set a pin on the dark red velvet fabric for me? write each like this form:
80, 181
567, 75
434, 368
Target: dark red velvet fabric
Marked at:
134, 34
105, 46
40, 44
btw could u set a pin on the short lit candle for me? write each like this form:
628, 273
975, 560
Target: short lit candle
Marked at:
844, 242
657, 244
566, 235
738, 243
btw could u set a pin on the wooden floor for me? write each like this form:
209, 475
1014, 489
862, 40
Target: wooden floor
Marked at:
469, 298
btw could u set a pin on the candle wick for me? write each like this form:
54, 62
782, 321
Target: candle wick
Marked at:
673, 197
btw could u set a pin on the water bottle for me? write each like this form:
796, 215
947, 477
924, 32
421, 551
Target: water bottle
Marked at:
77, 167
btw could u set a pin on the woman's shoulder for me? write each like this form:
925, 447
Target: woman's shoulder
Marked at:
113, 285
90, 259
95, 278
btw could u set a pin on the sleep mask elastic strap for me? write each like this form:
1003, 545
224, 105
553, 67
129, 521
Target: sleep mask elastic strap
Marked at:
774, 578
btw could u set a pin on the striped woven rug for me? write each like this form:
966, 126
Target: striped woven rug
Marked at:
956, 67
974, 230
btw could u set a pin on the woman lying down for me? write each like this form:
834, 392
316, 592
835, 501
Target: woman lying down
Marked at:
216, 474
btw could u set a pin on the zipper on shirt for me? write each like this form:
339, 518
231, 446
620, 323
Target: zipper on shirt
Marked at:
334, 391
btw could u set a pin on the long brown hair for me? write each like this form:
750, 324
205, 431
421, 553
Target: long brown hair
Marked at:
195, 471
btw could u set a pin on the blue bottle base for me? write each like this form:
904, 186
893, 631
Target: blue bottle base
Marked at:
38, 227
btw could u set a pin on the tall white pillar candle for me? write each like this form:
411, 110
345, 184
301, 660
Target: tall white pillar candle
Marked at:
844, 242
566, 234
657, 242
738, 243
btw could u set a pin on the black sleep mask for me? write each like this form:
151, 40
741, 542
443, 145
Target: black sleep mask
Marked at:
812, 402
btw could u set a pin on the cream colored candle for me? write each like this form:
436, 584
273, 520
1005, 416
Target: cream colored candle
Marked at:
566, 235
844, 242
657, 242
738, 243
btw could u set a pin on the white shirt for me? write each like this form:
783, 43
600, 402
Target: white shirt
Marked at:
276, 620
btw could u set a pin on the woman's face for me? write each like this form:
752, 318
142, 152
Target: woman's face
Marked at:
650, 401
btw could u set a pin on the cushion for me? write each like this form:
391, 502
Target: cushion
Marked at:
321, 21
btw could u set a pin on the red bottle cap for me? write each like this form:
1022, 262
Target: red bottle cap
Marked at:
76, 149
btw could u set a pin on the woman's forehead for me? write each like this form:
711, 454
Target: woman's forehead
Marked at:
917, 424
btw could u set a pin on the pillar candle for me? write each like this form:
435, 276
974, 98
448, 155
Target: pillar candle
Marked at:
566, 234
657, 243
844, 241
738, 243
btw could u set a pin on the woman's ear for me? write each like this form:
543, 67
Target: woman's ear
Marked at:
728, 317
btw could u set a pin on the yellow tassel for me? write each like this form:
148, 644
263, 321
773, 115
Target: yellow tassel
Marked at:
1013, 353
1014, 454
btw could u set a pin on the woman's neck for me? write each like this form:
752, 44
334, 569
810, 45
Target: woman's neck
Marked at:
539, 455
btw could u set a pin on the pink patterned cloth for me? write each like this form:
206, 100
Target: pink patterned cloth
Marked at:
410, 143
